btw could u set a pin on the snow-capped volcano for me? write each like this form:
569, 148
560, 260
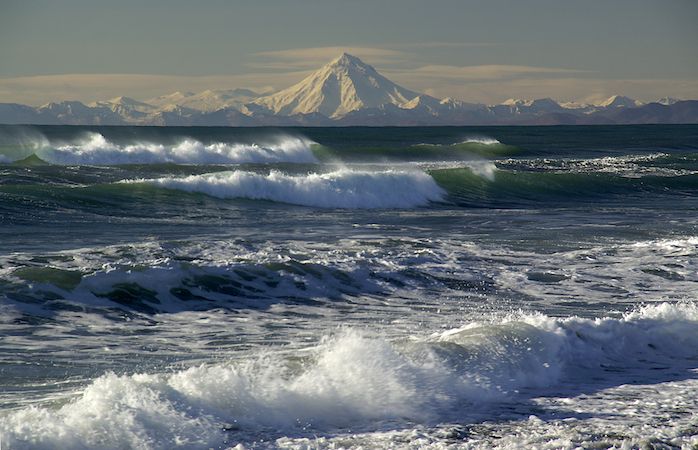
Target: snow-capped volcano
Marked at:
344, 85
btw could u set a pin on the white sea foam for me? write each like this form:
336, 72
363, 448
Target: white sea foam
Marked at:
355, 380
417, 381
482, 140
483, 169
479, 140
343, 188
96, 149
628, 166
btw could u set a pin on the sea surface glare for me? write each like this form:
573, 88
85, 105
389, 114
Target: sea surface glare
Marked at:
325, 288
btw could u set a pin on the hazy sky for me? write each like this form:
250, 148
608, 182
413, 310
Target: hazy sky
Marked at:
474, 50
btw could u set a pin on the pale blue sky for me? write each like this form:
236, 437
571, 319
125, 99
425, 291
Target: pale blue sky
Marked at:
478, 50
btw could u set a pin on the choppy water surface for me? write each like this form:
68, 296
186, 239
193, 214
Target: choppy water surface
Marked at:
495, 287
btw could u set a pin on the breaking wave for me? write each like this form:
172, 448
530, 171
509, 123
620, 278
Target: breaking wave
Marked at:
95, 149
479, 140
343, 188
476, 183
358, 380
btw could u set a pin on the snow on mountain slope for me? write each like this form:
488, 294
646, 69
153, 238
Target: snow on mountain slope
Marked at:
123, 103
174, 98
130, 110
77, 113
206, 101
668, 101
619, 101
344, 85
537, 106
346, 91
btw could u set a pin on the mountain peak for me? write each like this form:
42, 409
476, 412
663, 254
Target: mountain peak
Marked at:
345, 59
343, 85
668, 101
122, 99
346, 63
516, 102
125, 101
619, 101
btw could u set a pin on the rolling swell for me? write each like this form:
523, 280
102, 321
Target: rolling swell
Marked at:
178, 283
180, 195
467, 187
115, 146
480, 184
362, 381
459, 151
90, 167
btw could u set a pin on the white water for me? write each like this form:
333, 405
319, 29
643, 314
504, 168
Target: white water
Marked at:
483, 169
482, 140
479, 140
628, 166
356, 379
654, 270
390, 386
222, 306
95, 149
344, 188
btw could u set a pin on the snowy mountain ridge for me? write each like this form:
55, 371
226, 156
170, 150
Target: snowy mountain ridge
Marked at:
345, 91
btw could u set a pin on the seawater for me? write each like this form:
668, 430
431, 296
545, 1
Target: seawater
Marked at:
441, 287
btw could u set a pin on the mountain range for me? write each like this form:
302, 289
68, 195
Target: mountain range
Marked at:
344, 92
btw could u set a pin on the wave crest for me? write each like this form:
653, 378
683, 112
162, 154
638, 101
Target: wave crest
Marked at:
479, 140
343, 188
96, 149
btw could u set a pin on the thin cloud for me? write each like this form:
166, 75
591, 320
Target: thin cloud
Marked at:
311, 58
485, 84
437, 44
487, 72
386, 55
37, 90
564, 89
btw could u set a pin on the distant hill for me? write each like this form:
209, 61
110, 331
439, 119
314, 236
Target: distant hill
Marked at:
344, 92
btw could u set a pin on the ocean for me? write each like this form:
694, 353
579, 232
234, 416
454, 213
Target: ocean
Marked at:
327, 288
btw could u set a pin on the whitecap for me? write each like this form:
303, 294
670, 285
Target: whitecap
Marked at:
479, 140
97, 150
344, 188
355, 379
